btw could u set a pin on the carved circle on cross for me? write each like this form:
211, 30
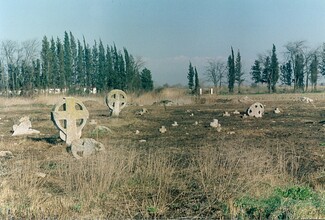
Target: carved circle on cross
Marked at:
116, 100
70, 116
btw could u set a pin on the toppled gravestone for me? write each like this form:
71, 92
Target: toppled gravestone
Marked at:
215, 124
175, 124
276, 111
70, 116
116, 101
24, 127
226, 114
306, 99
6, 154
85, 147
142, 111
256, 110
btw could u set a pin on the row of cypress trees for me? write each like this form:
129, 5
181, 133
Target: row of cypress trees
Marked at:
75, 66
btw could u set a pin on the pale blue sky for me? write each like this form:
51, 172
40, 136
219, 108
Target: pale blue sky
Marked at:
167, 34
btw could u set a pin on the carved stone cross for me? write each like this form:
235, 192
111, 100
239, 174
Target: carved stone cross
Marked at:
116, 101
70, 116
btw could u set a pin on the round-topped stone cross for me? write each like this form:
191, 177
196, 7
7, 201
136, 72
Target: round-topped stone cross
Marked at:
116, 101
70, 116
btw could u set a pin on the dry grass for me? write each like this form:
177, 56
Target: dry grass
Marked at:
175, 175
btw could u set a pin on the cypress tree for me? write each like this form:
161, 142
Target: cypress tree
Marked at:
37, 74
266, 75
256, 72
274, 69
101, 78
121, 72
146, 80
94, 74
286, 73
88, 65
129, 70
74, 59
67, 60
238, 71
54, 66
190, 77
196, 82
314, 72
231, 72
45, 62
80, 72
61, 80
109, 66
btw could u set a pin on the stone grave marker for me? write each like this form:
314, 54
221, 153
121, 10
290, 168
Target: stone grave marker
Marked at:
256, 110
24, 127
85, 147
70, 116
116, 101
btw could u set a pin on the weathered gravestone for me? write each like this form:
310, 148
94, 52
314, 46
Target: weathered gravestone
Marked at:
84, 147
24, 127
256, 110
116, 101
70, 116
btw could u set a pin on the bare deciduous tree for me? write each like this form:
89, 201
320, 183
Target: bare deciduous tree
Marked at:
215, 71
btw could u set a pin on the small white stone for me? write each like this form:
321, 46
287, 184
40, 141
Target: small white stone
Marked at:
175, 124
236, 112
142, 141
196, 123
137, 132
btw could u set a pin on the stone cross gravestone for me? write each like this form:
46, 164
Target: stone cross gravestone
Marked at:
256, 110
70, 116
116, 101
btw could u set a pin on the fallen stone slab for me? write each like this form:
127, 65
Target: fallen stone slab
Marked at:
24, 127
85, 147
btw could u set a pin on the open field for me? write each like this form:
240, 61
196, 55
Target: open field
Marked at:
270, 167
